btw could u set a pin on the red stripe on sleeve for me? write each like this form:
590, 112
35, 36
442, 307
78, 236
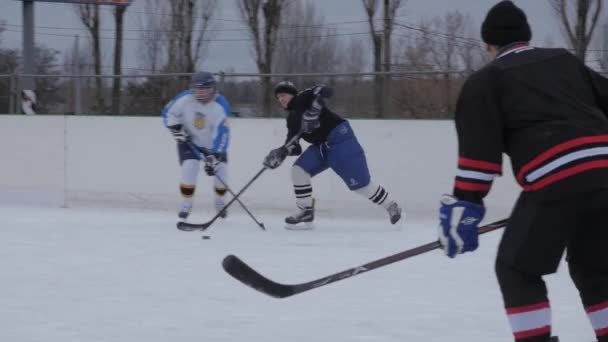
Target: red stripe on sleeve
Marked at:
597, 307
480, 164
472, 186
601, 332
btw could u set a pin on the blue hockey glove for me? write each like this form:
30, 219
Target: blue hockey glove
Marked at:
310, 118
458, 225
211, 164
276, 157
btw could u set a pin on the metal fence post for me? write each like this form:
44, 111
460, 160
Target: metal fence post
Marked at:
222, 80
12, 93
77, 94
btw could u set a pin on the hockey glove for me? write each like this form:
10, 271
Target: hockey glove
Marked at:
211, 164
310, 118
276, 157
323, 91
458, 225
179, 134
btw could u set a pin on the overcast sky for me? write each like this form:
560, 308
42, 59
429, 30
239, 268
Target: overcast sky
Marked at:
224, 54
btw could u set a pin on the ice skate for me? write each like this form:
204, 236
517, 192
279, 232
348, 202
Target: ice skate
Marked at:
184, 212
302, 220
394, 212
222, 213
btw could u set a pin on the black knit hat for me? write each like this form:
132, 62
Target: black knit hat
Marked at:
285, 87
505, 23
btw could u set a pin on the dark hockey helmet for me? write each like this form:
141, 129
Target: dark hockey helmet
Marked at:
285, 87
204, 86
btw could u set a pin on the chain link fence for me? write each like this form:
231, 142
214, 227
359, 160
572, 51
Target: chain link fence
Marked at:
408, 94
356, 95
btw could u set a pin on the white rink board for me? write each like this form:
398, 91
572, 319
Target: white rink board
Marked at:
132, 162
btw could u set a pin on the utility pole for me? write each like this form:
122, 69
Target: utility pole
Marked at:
28, 43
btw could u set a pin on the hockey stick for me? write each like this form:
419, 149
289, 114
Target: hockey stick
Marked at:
203, 226
261, 225
250, 277
197, 150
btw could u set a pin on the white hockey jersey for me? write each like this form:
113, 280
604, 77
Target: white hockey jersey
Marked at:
205, 123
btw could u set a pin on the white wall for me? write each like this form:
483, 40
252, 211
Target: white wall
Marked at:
128, 161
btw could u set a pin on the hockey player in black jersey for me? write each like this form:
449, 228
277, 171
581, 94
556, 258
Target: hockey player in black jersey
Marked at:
548, 112
333, 145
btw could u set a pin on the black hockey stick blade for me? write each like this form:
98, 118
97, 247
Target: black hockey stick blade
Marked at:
189, 227
244, 273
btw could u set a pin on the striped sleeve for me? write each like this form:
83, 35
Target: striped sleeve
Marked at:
480, 137
222, 138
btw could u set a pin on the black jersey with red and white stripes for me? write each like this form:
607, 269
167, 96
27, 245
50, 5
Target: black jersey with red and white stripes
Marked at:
542, 107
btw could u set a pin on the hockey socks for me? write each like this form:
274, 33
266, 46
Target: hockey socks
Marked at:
376, 194
302, 187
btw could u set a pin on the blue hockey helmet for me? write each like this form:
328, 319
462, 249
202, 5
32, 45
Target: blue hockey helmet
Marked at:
204, 86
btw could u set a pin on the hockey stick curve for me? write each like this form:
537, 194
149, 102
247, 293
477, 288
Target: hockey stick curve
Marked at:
244, 273
260, 224
201, 150
203, 226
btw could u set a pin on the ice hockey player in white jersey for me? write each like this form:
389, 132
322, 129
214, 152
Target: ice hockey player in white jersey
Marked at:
197, 119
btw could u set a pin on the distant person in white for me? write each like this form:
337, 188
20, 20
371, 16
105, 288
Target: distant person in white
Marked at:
28, 102
197, 119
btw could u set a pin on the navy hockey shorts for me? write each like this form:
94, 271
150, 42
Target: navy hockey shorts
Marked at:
342, 153
185, 152
539, 231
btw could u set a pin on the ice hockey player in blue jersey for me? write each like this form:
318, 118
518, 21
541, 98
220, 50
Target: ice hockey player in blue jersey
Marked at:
197, 119
333, 145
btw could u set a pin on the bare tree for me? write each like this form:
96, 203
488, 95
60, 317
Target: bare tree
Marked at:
153, 31
354, 57
119, 12
190, 21
89, 16
305, 44
175, 37
445, 49
579, 32
2, 29
263, 18
471, 51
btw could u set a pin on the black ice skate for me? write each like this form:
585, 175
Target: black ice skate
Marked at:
301, 220
394, 212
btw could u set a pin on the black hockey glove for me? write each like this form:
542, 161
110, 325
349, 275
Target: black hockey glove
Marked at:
323, 91
211, 164
276, 157
179, 134
310, 118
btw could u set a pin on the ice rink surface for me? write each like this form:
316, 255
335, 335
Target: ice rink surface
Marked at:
88, 275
